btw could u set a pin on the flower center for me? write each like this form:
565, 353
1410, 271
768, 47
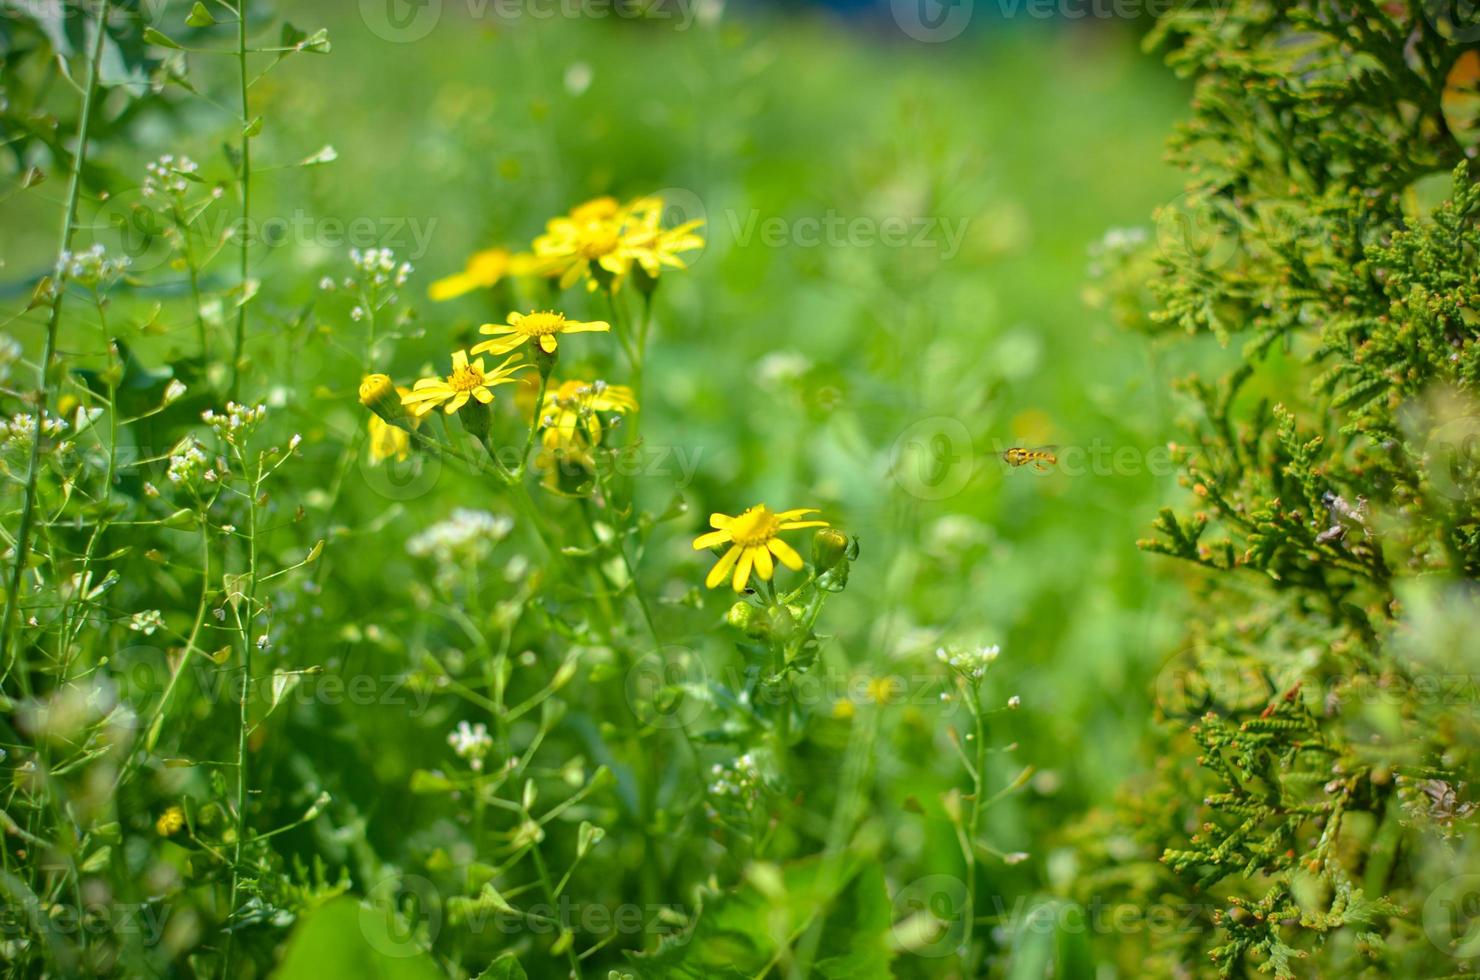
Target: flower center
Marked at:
465, 379
597, 242
541, 324
755, 527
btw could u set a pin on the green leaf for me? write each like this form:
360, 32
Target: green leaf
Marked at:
506, 967
199, 16
152, 36
347, 938
736, 932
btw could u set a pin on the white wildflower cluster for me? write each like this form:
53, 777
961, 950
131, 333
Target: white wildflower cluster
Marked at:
167, 176
740, 781
92, 268
10, 354
189, 464
471, 742
467, 536
971, 663
237, 423
377, 267
147, 622
17, 430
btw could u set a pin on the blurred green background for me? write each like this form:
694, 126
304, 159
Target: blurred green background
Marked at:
876, 381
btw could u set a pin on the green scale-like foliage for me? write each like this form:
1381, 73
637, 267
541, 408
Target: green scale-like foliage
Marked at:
1311, 806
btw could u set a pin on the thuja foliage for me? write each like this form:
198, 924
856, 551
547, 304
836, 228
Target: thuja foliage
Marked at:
1310, 814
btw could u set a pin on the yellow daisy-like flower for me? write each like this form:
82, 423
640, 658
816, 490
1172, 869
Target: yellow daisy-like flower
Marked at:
467, 381
753, 540
170, 821
573, 248
651, 245
569, 414
541, 328
483, 270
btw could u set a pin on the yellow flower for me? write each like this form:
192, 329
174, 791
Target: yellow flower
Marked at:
390, 441
467, 380
170, 821
569, 413
483, 270
573, 249
654, 246
533, 327
753, 540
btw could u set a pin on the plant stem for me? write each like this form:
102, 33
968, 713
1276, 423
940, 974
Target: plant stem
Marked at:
246, 192
244, 628
69, 226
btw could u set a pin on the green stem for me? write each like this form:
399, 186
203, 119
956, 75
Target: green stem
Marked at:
246, 192
69, 226
244, 628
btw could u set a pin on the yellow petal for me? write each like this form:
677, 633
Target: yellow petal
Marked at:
483, 395
459, 360
548, 343
711, 539
742, 569
500, 346
458, 401
495, 329
720, 520
763, 563
722, 567
791, 515
786, 553
577, 326
794, 525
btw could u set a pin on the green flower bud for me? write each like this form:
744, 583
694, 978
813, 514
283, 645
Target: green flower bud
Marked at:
740, 616
829, 546
476, 418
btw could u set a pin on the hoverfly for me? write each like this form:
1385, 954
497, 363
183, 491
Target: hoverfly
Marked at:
1040, 458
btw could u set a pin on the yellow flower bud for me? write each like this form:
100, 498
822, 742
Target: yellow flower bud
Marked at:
378, 393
